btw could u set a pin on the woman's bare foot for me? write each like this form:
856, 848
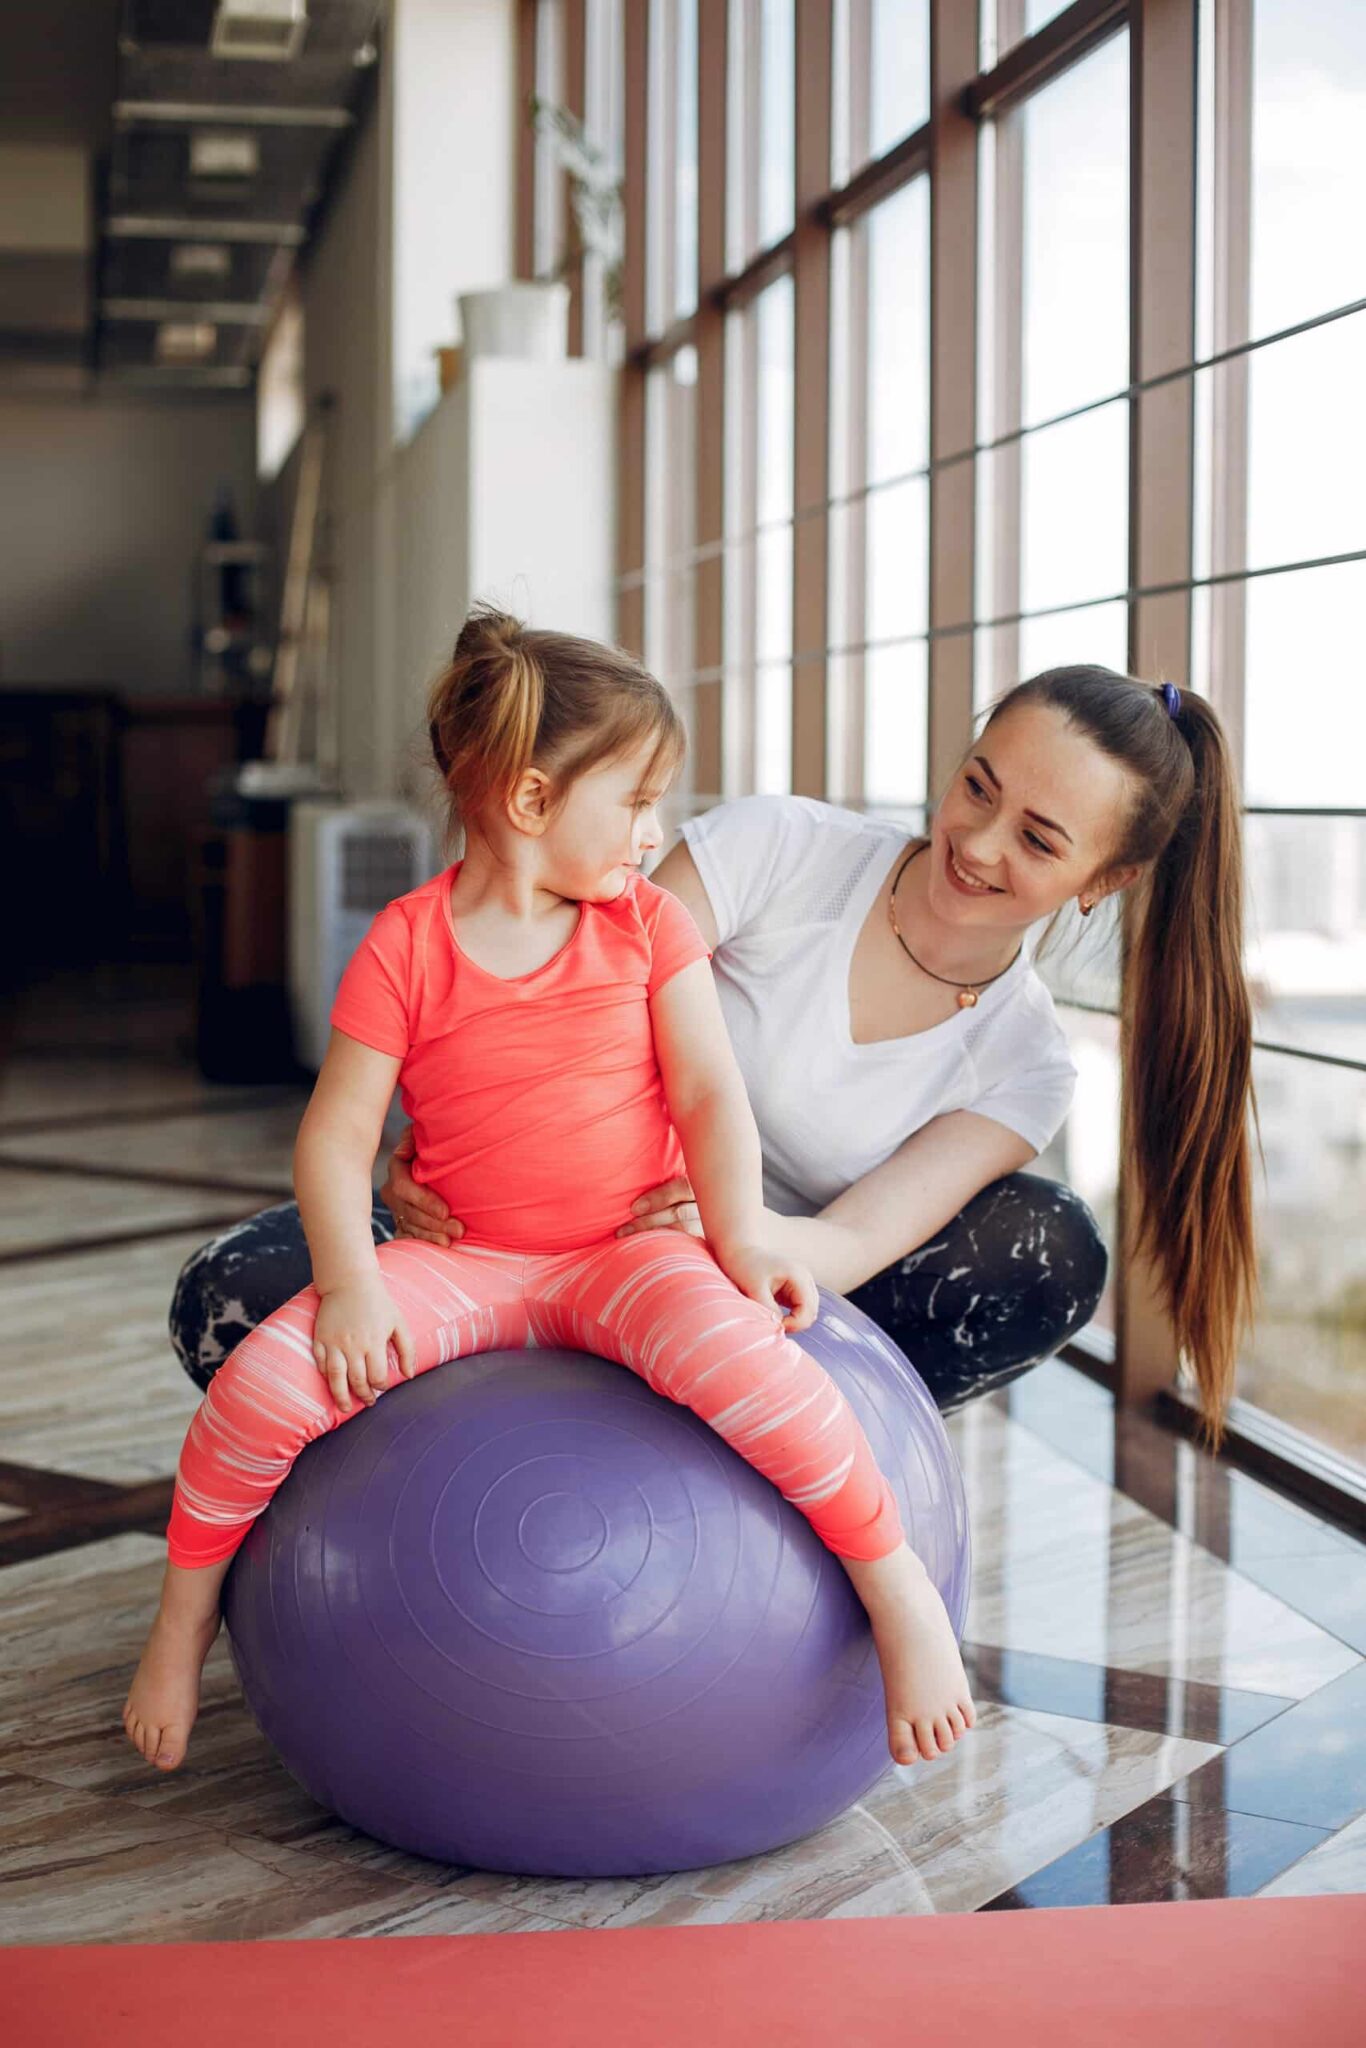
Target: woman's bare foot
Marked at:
928, 1702
163, 1699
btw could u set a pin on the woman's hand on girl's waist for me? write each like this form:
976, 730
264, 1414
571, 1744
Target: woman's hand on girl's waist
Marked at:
668, 1207
417, 1211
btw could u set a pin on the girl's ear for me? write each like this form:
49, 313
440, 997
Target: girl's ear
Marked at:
529, 806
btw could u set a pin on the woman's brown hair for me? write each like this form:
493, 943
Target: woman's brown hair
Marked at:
512, 698
1186, 1025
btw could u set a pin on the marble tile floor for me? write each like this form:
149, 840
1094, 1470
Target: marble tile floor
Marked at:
1170, 1659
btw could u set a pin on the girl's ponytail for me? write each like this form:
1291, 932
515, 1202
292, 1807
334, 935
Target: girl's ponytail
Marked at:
1186, 1028
485, 710
1187, 1038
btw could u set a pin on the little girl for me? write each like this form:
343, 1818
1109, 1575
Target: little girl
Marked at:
551, 1019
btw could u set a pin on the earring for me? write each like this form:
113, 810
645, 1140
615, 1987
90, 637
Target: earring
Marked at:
1085, 906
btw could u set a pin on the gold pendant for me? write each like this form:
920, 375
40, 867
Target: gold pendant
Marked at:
967, 998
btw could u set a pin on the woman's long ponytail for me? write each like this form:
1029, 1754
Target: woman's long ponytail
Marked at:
1187, 1054
1186, 1027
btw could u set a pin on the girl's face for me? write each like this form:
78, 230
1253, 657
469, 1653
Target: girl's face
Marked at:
606, 825
1032, 817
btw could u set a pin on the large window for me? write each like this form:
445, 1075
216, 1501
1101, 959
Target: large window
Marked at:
963, 342
1280, 543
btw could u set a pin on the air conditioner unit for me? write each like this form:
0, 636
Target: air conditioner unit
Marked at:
270, 29
346, 861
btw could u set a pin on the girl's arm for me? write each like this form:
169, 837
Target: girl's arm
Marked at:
711, 1112
333, 1155
899, 1205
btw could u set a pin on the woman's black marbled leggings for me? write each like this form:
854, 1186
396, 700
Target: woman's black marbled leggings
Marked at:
1009, 1280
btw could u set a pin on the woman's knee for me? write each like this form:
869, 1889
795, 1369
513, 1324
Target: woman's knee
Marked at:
234, 1282
1037, 1238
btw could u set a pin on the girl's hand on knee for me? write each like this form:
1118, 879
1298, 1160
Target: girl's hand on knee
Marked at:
783, 1286
669, 1207
358, 1339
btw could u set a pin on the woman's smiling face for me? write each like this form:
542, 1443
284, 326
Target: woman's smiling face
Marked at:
1032, 817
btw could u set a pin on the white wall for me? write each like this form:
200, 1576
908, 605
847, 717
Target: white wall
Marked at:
506, 493
511, 500
104, 501
455, 114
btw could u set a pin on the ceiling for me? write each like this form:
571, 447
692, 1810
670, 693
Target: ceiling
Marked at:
208, 176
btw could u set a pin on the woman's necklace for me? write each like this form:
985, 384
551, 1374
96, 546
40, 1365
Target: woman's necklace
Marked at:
968, 991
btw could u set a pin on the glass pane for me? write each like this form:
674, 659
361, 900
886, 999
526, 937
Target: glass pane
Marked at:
1076, 235
1100, 633
777, 115
897, 539
758, 561
1085, 1153
1307, 445
1305, 705
773, 315
671, 231
670, 429
1306, 948
1305, 1359
898, 258
881, 86
896, 765
761, 113
1007, 22
685, 176
604, 121
1308, 159
1074, 527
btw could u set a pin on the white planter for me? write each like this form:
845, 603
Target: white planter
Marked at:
525, 318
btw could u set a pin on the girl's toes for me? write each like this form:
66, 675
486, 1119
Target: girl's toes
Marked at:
169, 1751
957, 1722
924, 1735
901, 1742
944, 1734
970, 1713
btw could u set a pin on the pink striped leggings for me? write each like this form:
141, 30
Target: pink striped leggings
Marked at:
656, 1302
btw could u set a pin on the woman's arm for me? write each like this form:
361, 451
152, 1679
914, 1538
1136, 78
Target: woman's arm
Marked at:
720, 1140
899, 1205
677, 873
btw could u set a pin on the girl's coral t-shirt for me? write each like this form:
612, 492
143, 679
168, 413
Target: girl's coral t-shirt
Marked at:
537, 1103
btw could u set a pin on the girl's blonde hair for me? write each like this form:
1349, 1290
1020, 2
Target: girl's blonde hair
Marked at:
1188, 1108
512, 698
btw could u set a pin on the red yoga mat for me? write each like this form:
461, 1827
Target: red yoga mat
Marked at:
1248, 1973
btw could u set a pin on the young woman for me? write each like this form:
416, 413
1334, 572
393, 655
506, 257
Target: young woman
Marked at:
553, 1024
895, 1116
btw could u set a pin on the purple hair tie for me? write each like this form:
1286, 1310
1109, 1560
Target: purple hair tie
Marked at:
1171, 698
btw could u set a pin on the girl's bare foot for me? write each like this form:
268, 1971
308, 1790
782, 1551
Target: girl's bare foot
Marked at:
163, 1699
164, 1696
929, 1705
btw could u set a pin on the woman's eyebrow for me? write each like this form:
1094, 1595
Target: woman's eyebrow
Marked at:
1037, 816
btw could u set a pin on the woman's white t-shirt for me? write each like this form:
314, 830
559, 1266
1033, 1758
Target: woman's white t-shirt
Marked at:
791, 882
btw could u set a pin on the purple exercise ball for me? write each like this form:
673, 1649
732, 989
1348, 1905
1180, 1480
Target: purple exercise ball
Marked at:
526, 1615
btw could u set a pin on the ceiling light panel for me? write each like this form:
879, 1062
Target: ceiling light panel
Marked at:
267, 30
216, 154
